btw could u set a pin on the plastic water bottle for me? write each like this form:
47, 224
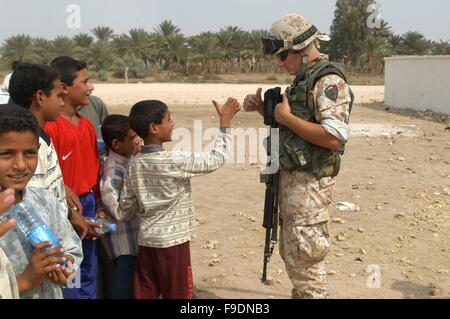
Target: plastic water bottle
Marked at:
101, 146
107, 226
33, 227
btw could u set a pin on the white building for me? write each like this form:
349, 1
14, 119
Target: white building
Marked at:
418, 82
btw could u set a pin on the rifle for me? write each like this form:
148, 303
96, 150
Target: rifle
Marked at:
270, 222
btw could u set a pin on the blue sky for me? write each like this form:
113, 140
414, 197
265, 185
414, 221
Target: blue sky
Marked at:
48, 18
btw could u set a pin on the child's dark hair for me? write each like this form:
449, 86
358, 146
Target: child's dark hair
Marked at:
68, 67
14, 65
115, 126
29, 78
144, 113
15, 118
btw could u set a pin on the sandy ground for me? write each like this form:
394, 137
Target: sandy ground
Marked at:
396, 169
200, 94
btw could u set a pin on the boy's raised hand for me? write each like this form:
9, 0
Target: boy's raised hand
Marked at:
6, 200
41, 263
227, 111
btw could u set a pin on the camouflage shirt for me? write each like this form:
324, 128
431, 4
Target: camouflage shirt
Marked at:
304, 199
333, 115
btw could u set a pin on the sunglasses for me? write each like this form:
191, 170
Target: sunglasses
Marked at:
282, 56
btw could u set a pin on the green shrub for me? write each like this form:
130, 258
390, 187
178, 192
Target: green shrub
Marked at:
210, 77
102, 75
192, 79
136, 67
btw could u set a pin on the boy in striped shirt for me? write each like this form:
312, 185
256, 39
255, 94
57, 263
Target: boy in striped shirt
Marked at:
121, 142
157, 189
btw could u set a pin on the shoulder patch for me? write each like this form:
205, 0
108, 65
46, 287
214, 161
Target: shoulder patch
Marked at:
332, 92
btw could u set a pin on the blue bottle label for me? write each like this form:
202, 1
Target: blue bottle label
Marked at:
40, 234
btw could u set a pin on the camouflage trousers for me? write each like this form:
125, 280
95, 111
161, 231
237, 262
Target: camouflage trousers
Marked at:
304, 236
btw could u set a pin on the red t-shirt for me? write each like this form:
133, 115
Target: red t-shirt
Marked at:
76, 147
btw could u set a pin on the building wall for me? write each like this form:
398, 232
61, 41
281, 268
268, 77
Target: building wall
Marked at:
418, 82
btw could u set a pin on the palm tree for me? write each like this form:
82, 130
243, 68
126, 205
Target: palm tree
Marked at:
414, 43
138, 43
441, 48
395, 42
121, 45
83, 40
167, 28
375, 50
142, 45
225, 41
384, 30
255, 42
241, 45
100, 55
204, 48
43, 50
63, 45
176, 50
19, 47
103, 34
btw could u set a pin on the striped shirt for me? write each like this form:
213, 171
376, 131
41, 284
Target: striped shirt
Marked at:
124, 240
157, 188
48, 173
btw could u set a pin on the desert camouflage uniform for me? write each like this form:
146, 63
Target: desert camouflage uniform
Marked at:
304, 200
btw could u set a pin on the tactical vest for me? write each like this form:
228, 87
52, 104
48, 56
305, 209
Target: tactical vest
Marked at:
298, 154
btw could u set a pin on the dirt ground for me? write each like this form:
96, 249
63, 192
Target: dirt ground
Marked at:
396, 169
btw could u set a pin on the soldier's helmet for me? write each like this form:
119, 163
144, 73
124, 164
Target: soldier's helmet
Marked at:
290, 32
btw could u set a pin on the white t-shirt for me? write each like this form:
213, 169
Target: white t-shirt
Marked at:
5, 84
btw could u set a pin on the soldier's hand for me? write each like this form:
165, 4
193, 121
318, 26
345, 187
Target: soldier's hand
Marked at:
253, 102
227, 111
282, 110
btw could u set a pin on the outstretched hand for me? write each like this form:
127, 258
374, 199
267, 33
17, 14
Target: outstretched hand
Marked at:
253, 102
227, 111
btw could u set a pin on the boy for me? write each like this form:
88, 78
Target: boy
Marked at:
37, 272
38, 89
122, 142
75, 143
157, 188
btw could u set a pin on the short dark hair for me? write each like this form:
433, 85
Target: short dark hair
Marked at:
29, 78
15, 118
14, 65
115, 126
68, 67
144, 113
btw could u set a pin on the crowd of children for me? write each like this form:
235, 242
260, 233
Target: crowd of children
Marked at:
50, 160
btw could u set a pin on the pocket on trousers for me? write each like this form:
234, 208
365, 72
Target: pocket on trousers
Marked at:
312, 243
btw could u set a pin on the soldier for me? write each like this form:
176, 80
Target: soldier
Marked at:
313, 122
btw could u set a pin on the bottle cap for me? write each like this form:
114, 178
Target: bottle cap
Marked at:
113, 227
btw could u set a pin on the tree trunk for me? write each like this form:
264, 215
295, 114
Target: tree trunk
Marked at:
126, 74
